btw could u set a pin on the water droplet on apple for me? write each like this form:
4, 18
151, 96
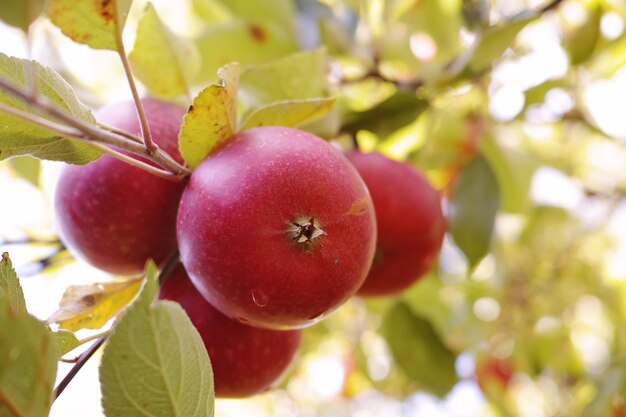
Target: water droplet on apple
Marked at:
260, 298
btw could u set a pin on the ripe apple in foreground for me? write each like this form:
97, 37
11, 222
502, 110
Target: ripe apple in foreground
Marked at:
276, 229
245, 360
117, 216
410, 223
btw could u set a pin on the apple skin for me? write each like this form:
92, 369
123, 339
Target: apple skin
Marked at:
116, 216
236, 228
410, 223
246, 360
492, 373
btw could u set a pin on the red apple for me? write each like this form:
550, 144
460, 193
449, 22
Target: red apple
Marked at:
114, 215
492, 373
410, 223
276, 229
245, 360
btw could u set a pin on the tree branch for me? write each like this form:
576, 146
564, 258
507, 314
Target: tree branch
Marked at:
120, 132
168, 268
552, 5
375, 74
82, 359
141, 113
77, 134
40, 121
96, 134
31, 241
81, 342
161, 173
170, 264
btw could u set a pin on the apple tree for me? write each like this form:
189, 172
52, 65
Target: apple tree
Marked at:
327, 207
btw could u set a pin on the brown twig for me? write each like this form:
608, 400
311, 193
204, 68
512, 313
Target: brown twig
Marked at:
375, 74
94, 133
80, 362
31, 241
146, 135
120, 132
170, 264
78, 135
550, 6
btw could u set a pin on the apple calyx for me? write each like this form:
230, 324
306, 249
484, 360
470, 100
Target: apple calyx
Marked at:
305, 230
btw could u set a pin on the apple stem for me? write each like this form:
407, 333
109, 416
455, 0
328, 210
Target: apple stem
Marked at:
80, 362
86, 131
141, 114
171, 263
120, 132
139, 164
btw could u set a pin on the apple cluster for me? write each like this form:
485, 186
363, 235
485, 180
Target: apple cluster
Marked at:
276, 229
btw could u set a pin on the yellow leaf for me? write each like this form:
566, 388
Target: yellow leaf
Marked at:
16, 12
162, 61
290, 113
90, 22
91, 306
212, 118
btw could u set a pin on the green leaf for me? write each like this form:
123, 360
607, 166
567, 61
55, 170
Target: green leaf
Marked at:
155, 363
547, 228
90, 22
537, 94
424, 299
473, 207
581, 42
291, 113
91, 306
397, 111
553, 349
435, 24
514, 171
418, 350
494, 41
396, 9
164, 62
27, 168
19, 137
298, 76
211, 10
611, 59
211, 119
65, 342
277, 12
28, 363
16, 13
241, 41
10, 285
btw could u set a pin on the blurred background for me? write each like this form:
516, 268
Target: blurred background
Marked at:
524, 315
